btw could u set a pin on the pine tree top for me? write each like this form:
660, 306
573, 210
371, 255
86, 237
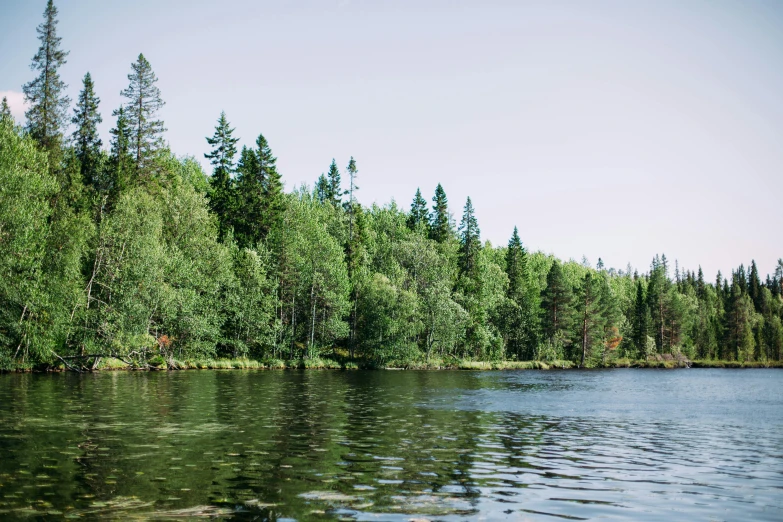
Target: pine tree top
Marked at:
5, 110
48, 106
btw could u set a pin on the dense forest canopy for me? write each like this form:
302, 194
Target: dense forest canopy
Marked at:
128, 251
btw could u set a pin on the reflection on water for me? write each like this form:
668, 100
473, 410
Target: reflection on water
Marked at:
309, 445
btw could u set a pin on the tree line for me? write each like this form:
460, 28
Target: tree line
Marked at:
129, 251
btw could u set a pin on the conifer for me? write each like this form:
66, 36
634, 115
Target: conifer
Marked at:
120, 157
334, 193
441, 229
144, 102
221, 183
322, 189
419, 216
45, 95
87, 142
260, 193
5, 111
516, 268
470, 240
557, 306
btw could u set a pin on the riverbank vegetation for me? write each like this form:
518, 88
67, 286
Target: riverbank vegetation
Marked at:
126, 252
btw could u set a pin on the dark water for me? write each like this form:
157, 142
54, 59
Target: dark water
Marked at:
310, 445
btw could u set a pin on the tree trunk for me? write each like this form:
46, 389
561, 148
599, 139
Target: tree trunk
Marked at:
312, 326
584, 339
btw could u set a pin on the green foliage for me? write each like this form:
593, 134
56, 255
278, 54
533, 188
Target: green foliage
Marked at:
419, 217
139, 257
25, 192
333, 191
221, 196
5, 112
87, 142
146, 131
312, 291
120, 175
470, 241
441, 228
557, 308
259, 194
45, 95
249, 304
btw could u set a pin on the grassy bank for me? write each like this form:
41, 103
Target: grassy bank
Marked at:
340, 363
736, 364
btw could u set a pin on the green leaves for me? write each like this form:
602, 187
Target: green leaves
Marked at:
25, 190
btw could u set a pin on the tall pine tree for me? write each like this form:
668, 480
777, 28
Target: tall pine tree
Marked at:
470, 241
590, 328
48, 104
441, 229
221, 197
353, 173
87, 142
274, 202
419, 217
640, 320
260, 193
5, 111
557, 306
754, 286
333, 190
120, 157
516, 268
144, 102
518, 319
322, 189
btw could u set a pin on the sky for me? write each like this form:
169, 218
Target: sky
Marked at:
608, 129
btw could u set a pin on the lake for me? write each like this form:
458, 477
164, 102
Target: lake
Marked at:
394, 445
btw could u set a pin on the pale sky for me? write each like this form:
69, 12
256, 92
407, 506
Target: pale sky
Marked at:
612, 129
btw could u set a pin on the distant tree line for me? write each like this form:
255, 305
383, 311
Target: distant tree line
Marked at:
128, 251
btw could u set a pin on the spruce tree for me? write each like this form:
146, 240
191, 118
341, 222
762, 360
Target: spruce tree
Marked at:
639, 323
144, 102
120, 157
48, 104
778, 279
518, 321
754, 286
221, 195
441, 227
274, 203
741, 343
516, 268
701, 287
250, 189
260, 193
470, 240
742, 280
557, 306
322, 189
419, 217
334, 193
87, 142
5, 111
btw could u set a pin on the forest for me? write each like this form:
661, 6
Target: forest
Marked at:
124, 253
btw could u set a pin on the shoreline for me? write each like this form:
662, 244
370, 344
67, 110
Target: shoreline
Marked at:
331, 364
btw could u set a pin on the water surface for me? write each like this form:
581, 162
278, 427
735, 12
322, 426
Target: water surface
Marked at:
394, 445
